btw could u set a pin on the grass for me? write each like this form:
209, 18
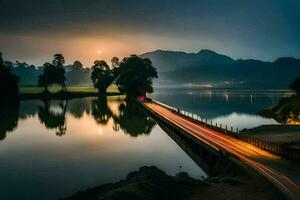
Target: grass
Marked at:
73, 92
72, 89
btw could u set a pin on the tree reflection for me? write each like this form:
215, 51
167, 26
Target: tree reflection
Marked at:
29, 109
77, 107
100, 110
9, 116
133, 120
53, 116
130, 118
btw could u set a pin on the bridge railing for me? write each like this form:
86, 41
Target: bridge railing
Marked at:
277, 149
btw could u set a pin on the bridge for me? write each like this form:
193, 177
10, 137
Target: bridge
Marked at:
271, 166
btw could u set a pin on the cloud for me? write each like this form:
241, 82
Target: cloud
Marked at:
238, 28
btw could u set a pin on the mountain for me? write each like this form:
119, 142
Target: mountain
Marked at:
208, 68
169, 60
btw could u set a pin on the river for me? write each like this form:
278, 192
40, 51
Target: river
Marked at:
55, 148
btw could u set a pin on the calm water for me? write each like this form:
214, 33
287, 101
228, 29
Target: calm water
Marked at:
236, 108
53, 149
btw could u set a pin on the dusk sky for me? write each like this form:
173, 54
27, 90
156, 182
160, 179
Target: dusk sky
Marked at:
34, 30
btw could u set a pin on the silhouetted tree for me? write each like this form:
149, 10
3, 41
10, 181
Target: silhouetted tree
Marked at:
8, 82
135, 76
77, 74
28, 73
295, 86
102, 76
115, 63
44, 79
77, 66
60, 79
53, 73
9, 104
58, 60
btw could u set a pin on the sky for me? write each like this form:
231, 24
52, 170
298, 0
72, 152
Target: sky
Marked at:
86, 30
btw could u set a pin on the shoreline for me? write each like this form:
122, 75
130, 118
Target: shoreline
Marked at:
63, 95
149, 182
283, 134
31, 93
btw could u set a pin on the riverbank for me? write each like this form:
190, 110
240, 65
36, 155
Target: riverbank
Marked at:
287, 111
151, 183
288, 135
28, 93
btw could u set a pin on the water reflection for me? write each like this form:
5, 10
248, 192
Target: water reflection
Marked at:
53, 116
98, 142
77, 107
129, 117
103, 139
100, 110
236, 109
133, 120
9, 116
230, 107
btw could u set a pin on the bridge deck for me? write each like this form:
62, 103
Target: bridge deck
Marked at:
247, 153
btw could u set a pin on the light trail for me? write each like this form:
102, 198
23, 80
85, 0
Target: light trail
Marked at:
247, 153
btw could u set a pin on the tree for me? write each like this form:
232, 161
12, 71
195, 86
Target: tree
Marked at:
44, 79
115, 63
60, 78
295, 86
77, 75
53, 73
8, 82
77, 66
58, 60
135, 76
102, 76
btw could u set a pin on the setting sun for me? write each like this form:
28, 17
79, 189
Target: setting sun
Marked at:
99, 52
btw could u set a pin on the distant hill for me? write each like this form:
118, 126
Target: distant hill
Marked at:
210, 68
169, 60
202, 69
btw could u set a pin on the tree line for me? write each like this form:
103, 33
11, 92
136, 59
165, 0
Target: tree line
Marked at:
132, 75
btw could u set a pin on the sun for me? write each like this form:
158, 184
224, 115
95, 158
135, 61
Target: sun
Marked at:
99, 51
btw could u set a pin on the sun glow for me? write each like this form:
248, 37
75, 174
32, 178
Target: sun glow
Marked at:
99, 51
100, 130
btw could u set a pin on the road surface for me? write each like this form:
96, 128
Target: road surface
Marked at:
247, 153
